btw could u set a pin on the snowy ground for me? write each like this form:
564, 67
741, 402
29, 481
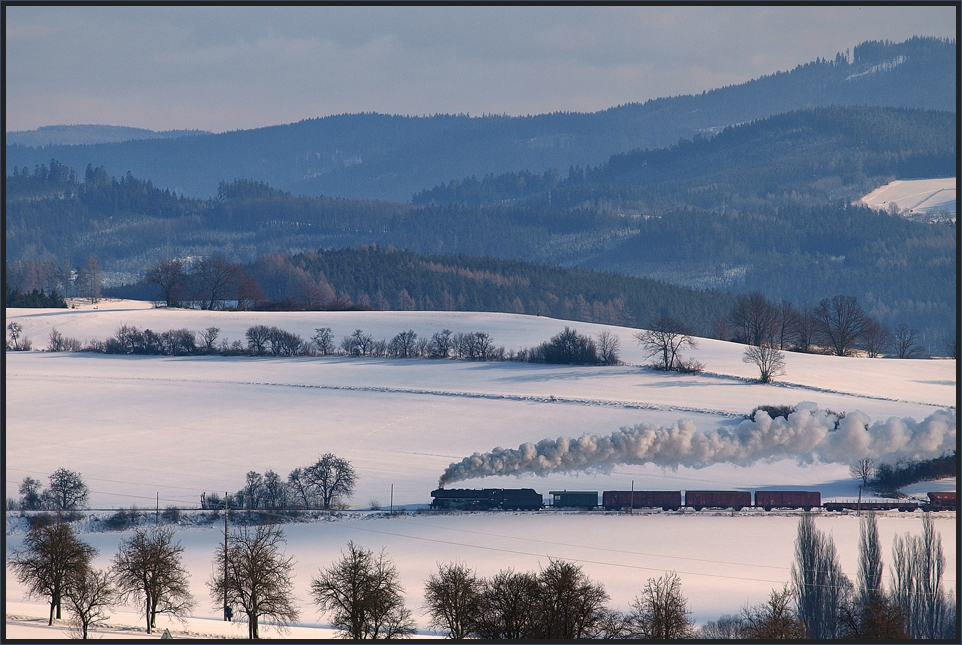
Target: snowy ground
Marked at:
916, 196
139, 426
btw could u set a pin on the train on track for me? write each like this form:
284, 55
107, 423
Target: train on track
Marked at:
528, 499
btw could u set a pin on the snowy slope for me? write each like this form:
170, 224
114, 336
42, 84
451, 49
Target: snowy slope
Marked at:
916, 196
139, 426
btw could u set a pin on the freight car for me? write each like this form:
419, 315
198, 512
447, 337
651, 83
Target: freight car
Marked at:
872, 505
583, 499
940, 501
769, 499
486, 499
734, 499
667, 500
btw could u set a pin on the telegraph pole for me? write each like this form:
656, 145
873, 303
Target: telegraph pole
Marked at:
226, 511
631, 511
392, 499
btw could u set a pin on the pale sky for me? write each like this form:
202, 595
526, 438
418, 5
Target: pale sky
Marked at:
229, 68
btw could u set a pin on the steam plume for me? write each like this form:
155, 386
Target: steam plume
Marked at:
808, 435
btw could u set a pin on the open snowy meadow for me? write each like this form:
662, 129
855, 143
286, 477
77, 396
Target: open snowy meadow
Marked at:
141, 426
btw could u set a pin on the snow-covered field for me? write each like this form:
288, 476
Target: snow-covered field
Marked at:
916, 196
139, 426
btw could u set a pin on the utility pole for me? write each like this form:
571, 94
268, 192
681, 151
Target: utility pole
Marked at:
226, 511
157, 511
631, 510
392, 499
858, 508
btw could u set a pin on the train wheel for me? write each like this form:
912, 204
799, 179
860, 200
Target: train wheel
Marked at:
697, 508
767, 508
806, 508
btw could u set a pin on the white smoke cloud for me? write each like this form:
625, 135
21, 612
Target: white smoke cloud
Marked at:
807, 435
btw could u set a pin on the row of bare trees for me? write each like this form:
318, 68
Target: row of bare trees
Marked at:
147, 570
837, 325
209, 282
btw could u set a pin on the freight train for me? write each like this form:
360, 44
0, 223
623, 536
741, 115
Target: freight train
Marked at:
513, 499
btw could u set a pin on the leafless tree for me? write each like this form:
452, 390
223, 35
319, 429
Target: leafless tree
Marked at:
89, 595
323, 340
16, 334
608, 347
402, 345
820, 587
441, 344
357, 344
754, 318
876, 338
217, 278
767, 358
666, 338
906, 342
50, 553
258, 337
841, 324
284, 343
67, 491
508, 607
918, 564
772, 621
363, 596
209, 337
30, 494
258, 577
171, 277
333, 478
149, 566
862, 470
806, 335
90, 279
452, 598
727, 627
788, 320
570, 605
661, 612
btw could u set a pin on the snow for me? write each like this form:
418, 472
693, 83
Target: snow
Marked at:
139, 426
916, 196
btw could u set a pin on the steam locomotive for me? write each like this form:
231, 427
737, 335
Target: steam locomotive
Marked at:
528, 499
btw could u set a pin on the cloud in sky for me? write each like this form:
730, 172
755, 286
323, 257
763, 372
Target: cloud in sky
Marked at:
223, 68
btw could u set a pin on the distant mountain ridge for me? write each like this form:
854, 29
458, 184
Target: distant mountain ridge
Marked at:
72, 135
377, 156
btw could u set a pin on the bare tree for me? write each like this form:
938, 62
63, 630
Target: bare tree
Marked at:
16, 334
67, 491
171, 277
30, 494
841, 323
258, 337
257, 577
788, 321
441, 344
217, 278
90, 279
323, 340
149, 566
862, 470
570, 605
89, 595
661, 612
50, 553
275, 491
918, 564
755, 319
508, 607
357, 344
767, 358
772, 621
806, 335
333, 478
666, 338
209, 336
363, 596
452, 598
402, 345
608, 347
820, 587
876, 338
727, 627
906, 342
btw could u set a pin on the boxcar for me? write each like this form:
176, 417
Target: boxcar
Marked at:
943, 501
735, 499
668, 500
769, 499
871, 505
586, 499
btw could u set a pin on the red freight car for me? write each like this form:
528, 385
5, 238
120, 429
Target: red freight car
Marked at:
736, 499
668, 500
944, 501
769, 499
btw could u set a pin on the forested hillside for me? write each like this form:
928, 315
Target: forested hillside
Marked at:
394, 157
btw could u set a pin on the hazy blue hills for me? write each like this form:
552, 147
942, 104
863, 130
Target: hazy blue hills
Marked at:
72, 135
394, 157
